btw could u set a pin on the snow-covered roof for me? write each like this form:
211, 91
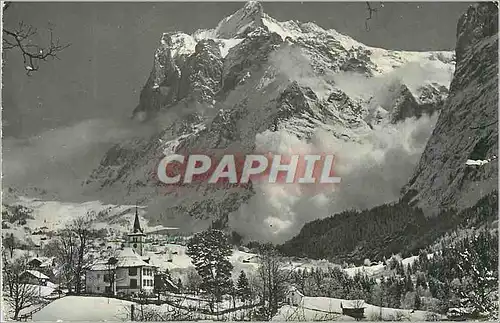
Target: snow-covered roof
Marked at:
294, 289
355, 303
37, 274
47, 262
129, 258
125, 257
44, 261
101, 266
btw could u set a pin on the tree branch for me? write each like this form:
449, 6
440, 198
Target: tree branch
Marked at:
370, 13
20, 38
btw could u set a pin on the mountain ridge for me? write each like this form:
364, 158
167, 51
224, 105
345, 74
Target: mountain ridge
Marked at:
252, 78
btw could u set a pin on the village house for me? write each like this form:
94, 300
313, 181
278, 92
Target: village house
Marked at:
293, 296
34, 277
128, 272
42, 263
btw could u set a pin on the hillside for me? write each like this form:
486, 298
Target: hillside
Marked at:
444, 183
384, 230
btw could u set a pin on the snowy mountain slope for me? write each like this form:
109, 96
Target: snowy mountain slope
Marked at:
467, 128
49, 216
254, 83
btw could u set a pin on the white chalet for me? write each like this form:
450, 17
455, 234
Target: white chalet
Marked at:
294, 296
128, 272
34, 277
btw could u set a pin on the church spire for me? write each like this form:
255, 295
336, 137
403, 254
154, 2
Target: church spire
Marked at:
137, 224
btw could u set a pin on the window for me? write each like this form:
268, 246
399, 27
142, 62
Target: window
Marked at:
106, 278
98, 276
98, 288
132, 271
145, 282
133, 283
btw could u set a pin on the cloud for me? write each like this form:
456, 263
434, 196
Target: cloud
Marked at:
374, 165
58, 160
373, 170
414, 75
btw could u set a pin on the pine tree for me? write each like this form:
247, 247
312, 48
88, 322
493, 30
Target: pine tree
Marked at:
421, 281
478, 268
409, 269
179, 285
408, 283
243, 287
209, 251
418, 300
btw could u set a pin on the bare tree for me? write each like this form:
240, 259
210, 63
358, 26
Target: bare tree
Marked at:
19, 295
150, 313
21, 38
66, 250
82, 228
274, 280
10, 243
193, 281
72, 247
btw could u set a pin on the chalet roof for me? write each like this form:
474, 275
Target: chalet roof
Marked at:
37, 274
353, 304
294, 289
125, 257
129, 258
44, 261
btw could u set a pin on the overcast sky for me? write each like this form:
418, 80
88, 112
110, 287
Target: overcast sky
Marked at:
102, 73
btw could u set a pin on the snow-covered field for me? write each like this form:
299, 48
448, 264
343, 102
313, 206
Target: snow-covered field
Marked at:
99, 309
314, 308
79, 308
289, 313
311, 309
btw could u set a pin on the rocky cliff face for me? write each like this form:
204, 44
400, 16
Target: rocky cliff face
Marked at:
235, 87
467, 128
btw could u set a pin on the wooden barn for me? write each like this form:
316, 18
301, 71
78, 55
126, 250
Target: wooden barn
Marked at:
355, 310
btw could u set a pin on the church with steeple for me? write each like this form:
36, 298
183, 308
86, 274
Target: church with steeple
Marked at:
127, 272
135, 239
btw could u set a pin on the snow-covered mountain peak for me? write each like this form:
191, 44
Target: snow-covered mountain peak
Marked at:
252, 79
178, 43
241, 22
